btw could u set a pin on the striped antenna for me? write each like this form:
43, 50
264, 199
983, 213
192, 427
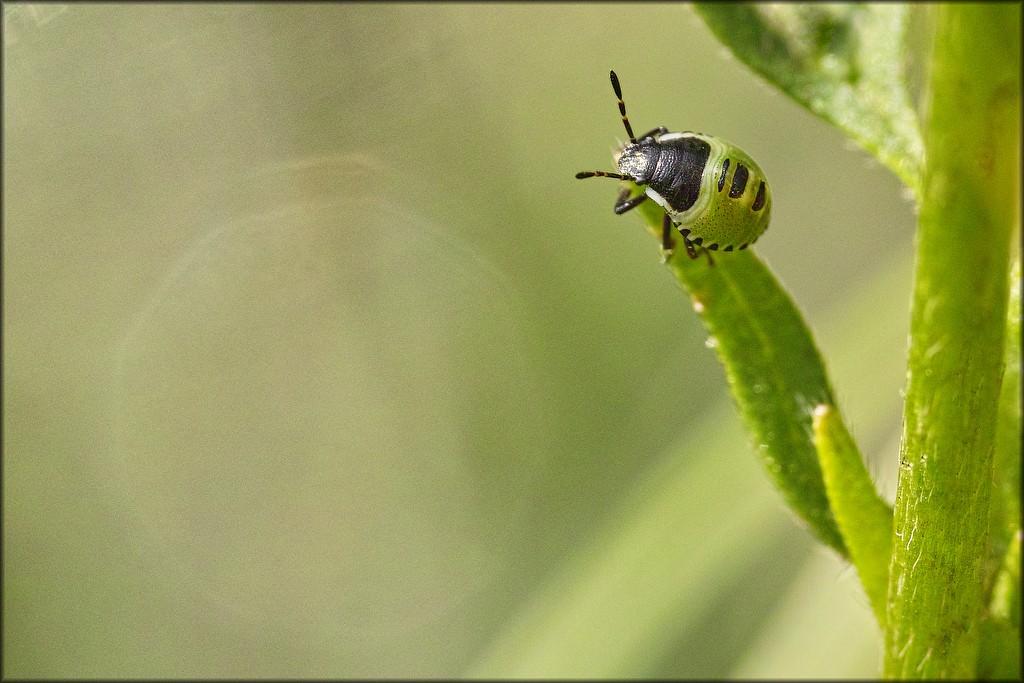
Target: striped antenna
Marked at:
622, 106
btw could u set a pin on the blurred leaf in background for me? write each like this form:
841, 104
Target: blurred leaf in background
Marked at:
319, 362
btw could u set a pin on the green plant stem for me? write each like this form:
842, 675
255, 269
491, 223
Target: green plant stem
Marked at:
958, 323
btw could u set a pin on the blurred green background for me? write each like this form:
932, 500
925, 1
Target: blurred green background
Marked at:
318, 361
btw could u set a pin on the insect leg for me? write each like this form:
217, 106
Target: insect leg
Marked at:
694, 252
668, 242
660, 130
624, 203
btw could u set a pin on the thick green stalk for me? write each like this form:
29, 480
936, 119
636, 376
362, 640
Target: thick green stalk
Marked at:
969, 199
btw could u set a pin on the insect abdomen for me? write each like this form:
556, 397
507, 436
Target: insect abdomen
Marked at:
727, 207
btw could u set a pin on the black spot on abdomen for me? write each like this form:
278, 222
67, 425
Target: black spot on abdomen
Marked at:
739, 181
759, 199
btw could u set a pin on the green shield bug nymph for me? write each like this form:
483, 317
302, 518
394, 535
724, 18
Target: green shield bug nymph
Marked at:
711, 191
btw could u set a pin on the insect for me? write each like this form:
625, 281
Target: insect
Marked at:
712, 192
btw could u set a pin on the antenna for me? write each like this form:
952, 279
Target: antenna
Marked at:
622, 106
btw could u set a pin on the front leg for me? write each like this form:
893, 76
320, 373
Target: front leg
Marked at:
624, 203
660, 130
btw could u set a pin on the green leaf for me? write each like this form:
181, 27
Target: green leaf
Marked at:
969, 210
864, 518
1007, 462
1000, 640
774, 371
999, 657
842, 62
1006, 596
